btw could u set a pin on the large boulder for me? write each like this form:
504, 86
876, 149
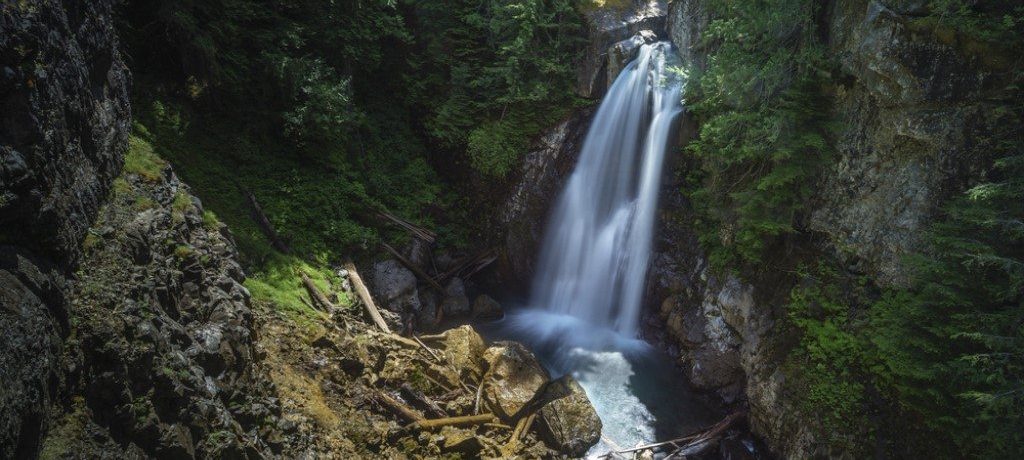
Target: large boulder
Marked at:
569, 424
455, 302
465, 350
513, 378
395, 286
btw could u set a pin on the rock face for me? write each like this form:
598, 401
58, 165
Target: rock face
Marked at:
912, 114
543, 172
911, 105
64, 90
626, 50
605, 26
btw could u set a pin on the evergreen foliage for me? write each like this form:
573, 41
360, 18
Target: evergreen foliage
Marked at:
764, 125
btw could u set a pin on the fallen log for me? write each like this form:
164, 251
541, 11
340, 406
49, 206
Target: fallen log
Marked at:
415, 269
463, 420
364, 295
691, 440
398, 409
417, 231
316, 294
469, 265
426, 404
264, 223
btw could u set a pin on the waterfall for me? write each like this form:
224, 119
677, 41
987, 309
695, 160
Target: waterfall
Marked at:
597, 248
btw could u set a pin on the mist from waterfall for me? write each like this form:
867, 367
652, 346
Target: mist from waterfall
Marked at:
597, 248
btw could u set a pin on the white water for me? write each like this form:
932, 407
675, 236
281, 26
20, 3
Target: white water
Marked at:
587, 293
598, 242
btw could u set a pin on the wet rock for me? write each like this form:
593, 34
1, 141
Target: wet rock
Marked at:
626, 50
484, 307
513, 378
455, 302
570, 424
395, 286
607, 25
542, 174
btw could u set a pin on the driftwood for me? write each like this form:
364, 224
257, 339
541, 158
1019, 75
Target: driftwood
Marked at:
316, 294
364, 295
261, 219
426, 404
428, 349
691, 444
417, 231
415, 269
452, 421
397, 408
468, 266
512, 447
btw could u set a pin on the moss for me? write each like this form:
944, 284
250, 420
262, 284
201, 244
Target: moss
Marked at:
143, 203
91, 241
280, 284
210, 221
141, 160
183, 251
121, 187
180, 205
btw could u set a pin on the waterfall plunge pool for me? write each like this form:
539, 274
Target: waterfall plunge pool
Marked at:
638, 392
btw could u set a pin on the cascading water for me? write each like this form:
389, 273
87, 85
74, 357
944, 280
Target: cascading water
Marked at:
585, 305
598, 242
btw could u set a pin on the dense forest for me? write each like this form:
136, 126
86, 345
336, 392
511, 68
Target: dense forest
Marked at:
330, 112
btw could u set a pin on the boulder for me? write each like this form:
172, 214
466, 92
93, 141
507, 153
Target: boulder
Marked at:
626, 50
426, 317
485, 307
395, 286
455, 301
513, 378
465, 349
570, 424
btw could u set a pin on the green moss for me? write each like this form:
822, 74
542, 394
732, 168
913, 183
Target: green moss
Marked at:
183, 251
143, 203
142, 160
210, 221
280, 284
180, 205
121, 187
91, 241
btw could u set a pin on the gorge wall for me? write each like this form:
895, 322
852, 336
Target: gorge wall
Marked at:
910, 106
911, 103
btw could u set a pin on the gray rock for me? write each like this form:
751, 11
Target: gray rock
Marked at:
395, 286
484, 307
607, 25
626, 50
455, 302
